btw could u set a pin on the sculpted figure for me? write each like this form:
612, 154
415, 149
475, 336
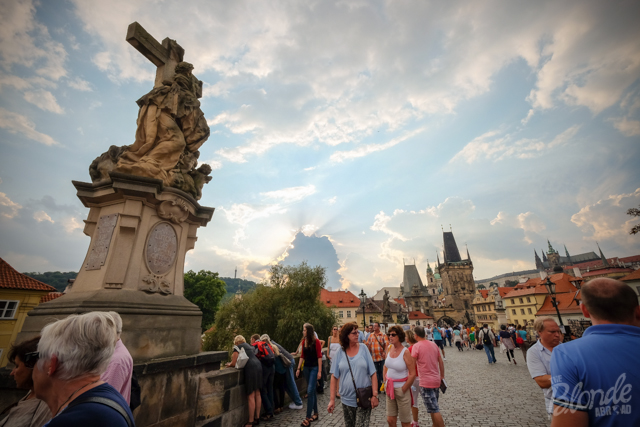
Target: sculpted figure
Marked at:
170, 124
105, 163
385, 303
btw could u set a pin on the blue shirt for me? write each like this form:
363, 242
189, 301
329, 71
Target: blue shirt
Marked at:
361, 337
436, 334
599, 374
362, 367
538, 362
94, 414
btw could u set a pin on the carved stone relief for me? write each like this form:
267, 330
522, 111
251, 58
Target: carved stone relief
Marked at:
100, 249
161, 249
155, 284
175, 211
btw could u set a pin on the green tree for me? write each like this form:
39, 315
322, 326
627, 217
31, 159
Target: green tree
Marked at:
634, 212
205, 290
278, 308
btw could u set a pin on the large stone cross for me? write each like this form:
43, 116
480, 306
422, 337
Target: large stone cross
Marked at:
165, 56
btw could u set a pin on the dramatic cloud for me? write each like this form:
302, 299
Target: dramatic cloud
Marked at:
289, 195
607, 218
497, 146
16, 123
288, 80
43, 99
79, 84
8, 208
42, 216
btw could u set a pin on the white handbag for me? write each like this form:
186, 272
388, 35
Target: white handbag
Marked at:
242, 357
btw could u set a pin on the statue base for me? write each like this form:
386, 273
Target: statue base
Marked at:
140, 233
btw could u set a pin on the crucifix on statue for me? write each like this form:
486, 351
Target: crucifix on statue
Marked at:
165, 56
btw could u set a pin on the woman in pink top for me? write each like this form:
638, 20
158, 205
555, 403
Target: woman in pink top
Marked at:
399, 373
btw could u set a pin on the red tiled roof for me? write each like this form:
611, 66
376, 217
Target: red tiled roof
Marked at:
400, 301
50, 296
504, 290
417, 315
634, 258
339, 298
606, 271
594, 263
11, 279
536, 286
566, 304
484, 292
633, 276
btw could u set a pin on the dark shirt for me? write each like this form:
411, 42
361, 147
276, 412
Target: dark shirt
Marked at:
93, 414
505, 334
311, 354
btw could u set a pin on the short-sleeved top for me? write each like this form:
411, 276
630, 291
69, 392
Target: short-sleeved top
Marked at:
436, 334
523, 334
311, 354
27, 413
538, 362
120, 370
427, 355
362, 367
93, 414
598, 374
377, 345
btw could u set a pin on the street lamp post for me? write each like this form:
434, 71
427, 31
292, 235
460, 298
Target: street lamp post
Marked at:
363, 299
551, 289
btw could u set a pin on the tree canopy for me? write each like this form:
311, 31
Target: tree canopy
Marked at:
205, 290
54, 278
278, 308
634, 212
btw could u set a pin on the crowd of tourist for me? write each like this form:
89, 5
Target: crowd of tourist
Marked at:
78, 371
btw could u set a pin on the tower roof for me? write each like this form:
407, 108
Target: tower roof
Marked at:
451, 253
411, 278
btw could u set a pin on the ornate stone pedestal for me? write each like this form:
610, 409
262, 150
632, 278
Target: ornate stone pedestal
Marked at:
140, 233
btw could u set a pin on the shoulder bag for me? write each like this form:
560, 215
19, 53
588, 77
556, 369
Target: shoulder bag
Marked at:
364, 394
242, 357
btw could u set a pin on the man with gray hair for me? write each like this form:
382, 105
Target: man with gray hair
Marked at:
72, 355
539, 356
120, 369
596, 379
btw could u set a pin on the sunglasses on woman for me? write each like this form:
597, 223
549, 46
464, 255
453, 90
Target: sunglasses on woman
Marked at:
30, 359
393, 334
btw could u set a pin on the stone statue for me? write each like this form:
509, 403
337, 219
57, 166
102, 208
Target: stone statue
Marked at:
105, 163
171, 126
385, 303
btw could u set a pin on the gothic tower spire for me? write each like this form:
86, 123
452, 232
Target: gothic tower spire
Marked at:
602, 257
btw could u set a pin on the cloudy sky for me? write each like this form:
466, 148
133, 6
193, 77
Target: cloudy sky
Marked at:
344, 133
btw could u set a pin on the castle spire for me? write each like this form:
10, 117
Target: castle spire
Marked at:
551, 250
567, 254
602, 257
539, 264
544, 257
468, 256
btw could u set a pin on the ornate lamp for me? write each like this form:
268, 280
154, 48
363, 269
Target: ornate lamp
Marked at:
363, 299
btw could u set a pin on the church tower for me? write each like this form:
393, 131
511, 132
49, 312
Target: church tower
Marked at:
457, 282
539, 265
553, 256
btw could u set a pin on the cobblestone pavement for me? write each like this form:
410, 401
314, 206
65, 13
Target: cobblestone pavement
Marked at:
479, 394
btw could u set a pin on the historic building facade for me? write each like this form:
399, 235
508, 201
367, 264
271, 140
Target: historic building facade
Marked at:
458, 286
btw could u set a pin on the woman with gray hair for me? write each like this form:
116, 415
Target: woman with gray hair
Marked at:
73, 353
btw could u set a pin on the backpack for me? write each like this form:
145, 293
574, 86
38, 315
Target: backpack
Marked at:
265, 353
486, 339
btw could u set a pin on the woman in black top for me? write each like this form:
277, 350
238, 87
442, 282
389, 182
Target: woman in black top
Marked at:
252, 377
312, 357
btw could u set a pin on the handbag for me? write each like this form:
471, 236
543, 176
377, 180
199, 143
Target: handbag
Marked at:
285, 360
242, 359
519, 340
364, 394
479, 346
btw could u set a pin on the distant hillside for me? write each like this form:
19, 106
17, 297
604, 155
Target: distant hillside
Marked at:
234, 284
54, 278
